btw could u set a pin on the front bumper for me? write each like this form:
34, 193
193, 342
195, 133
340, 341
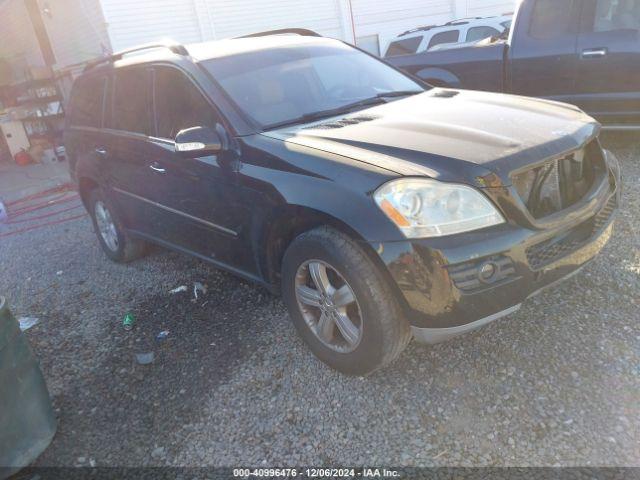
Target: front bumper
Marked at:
440, 283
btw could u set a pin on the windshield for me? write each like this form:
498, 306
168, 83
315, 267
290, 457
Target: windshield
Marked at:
282, 84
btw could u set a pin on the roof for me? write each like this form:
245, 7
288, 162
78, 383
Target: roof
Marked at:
207, 50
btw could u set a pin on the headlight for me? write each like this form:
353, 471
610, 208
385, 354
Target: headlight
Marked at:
428, 208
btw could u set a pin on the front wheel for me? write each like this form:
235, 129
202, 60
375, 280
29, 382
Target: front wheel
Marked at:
341, 304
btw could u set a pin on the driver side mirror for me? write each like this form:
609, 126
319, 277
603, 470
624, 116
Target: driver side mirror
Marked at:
198, 141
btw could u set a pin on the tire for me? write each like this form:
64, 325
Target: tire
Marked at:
126, 248
383, 331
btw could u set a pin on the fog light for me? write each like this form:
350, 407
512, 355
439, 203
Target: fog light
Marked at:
477, 275
487, 271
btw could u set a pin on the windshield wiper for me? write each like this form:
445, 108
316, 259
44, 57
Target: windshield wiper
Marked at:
398, 93
332, 112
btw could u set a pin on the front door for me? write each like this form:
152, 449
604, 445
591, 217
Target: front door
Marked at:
195, 199
608, 83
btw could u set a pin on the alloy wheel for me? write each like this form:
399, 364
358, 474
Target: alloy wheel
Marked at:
329, 306
106, 226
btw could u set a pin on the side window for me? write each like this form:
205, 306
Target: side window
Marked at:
87, 101
406, 46
179, 104
616, 15
479, 33
551, 18
132, 100
450, 36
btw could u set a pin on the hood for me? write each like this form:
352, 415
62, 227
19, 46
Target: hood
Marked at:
451, 135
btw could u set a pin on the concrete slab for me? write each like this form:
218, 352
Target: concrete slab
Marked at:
17, 182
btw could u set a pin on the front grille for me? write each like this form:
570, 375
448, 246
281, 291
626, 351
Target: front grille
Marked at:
549, 251
560, 183
602, 218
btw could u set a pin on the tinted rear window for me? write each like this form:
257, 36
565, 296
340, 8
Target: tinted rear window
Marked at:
132, 101
404, 47
87, 102
479, 33
450, 36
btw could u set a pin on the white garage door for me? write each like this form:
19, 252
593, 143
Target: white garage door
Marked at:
232, 18
144, 21
482, 8
384, 20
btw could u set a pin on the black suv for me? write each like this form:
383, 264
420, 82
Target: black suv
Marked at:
381, 208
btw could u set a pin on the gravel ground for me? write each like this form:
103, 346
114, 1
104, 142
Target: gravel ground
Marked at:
557, 383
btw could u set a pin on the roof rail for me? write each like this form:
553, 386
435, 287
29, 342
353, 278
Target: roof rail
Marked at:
452, 23
418, 29
296, 31
174, 47
465, 19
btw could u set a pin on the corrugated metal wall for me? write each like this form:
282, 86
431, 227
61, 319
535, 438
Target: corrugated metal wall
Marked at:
188, 21
76, 29
481, 8
195, 20
237, 17
132, 23
388, 19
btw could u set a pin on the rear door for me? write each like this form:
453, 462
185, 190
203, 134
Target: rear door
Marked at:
83, 136
608, 83
543, 53
126, 149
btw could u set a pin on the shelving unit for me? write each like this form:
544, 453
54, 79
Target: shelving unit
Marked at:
36, 103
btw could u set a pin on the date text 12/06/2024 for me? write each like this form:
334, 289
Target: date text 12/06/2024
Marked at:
316, 472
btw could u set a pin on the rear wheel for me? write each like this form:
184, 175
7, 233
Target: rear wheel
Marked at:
341, 304
114, 240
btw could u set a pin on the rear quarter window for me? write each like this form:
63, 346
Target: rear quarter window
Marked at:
406, 46
450, 36
87, 102
480, 33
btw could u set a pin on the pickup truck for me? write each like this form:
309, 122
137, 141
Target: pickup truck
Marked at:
582, 52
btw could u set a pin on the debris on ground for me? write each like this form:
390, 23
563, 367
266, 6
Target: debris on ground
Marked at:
3, 212
162, 335
181, 288
158, 452
144, 358
128, 322
199, 287
27, 322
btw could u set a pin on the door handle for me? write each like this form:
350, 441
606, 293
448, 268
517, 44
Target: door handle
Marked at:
155, 166
594, 52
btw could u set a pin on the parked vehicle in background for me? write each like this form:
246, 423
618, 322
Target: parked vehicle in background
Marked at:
583, 52
378, 209
464, 30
